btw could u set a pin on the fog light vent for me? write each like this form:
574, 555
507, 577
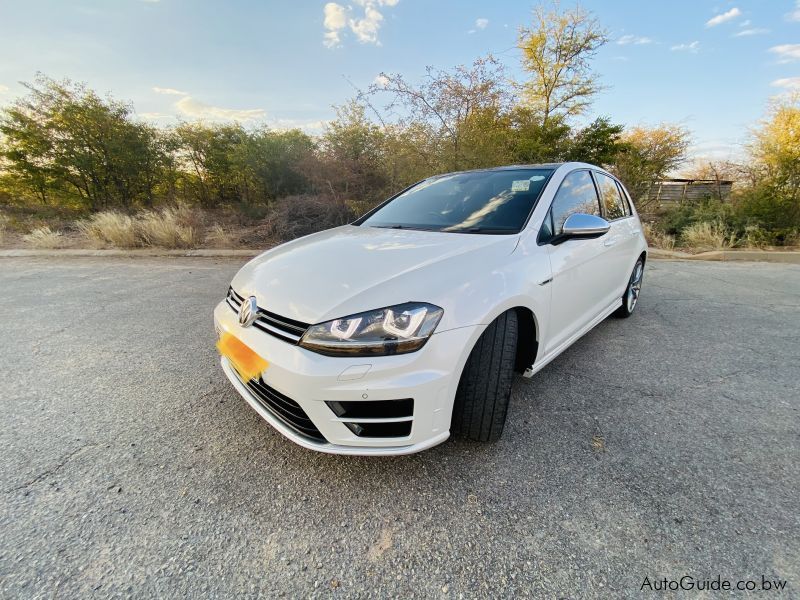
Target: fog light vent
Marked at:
376, 418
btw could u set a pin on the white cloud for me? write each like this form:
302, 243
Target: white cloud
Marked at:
692, 47
366, 29
715, 150
154, 116
338, 18
331, 39
169, 91
744, 23
795, 14
199, 110
335, 20
381, 80
754, 31
3, 89
309, 126
481, 23
790, 83
335, 16
786, 52
724, 17
633, 39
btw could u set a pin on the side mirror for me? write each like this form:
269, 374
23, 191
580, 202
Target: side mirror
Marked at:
582, 226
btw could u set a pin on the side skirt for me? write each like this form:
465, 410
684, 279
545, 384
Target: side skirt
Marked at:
544, 360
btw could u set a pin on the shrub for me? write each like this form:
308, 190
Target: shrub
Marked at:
707, 235
677, 218
769, 207
171, 227
757, 237
44, 237
110, 228
296, 216
3, 225
657, 238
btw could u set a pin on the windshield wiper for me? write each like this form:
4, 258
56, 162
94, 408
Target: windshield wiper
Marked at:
417, 228
486, 230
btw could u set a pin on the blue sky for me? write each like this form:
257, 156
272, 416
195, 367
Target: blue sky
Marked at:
710, 65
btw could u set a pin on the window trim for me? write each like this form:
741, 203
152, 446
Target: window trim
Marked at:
623, 197
624, 193
549, 214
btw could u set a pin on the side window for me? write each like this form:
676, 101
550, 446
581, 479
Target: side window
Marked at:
626, 198
612, 201
577, 194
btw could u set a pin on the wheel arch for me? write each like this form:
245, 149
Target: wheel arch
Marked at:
529, 332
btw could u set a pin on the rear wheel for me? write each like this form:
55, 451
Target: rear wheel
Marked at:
631, 295
481, 403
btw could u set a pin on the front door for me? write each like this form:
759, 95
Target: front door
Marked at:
579, 283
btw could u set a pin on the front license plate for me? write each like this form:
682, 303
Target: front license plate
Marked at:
245, 360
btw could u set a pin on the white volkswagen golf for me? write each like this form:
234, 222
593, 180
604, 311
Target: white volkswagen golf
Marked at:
387, 335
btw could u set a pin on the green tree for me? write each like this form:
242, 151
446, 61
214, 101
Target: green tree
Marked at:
776, 146
352, 156
534, 140
63, 140
273, 164
556, 53
206, 160
647, 155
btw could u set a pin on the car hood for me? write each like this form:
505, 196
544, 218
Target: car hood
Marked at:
350, 269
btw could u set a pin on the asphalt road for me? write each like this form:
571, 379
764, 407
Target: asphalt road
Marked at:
661, 446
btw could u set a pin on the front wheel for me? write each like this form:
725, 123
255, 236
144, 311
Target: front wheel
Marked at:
481, 402
631, 295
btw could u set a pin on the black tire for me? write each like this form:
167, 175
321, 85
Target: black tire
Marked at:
628, 305
481, 403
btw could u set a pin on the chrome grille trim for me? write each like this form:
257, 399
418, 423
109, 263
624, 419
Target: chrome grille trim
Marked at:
278, 326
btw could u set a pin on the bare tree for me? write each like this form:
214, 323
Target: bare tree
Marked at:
445, 102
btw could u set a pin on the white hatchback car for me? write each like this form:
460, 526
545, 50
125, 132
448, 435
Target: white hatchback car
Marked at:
387, 335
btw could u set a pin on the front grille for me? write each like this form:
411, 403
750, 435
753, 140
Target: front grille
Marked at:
284, 408
280, 327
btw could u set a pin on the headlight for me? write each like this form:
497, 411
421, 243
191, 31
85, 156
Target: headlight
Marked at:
393, 330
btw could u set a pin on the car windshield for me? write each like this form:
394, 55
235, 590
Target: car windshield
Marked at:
490, 202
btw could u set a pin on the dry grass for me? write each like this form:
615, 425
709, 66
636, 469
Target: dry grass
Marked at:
171, 227
657, 238
708, 236
110, 228
218, 237
44, 238
3, 226
178, 227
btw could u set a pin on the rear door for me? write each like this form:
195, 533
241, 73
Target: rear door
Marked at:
621, 242
578, 284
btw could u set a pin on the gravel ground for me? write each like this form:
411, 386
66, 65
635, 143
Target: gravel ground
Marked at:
660, 446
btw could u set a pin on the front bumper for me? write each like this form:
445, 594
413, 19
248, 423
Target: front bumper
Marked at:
429, 376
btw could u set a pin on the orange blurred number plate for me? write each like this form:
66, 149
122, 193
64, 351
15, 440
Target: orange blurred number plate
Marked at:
249, 364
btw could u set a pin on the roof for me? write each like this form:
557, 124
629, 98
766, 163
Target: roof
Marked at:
681, 180
553, 165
